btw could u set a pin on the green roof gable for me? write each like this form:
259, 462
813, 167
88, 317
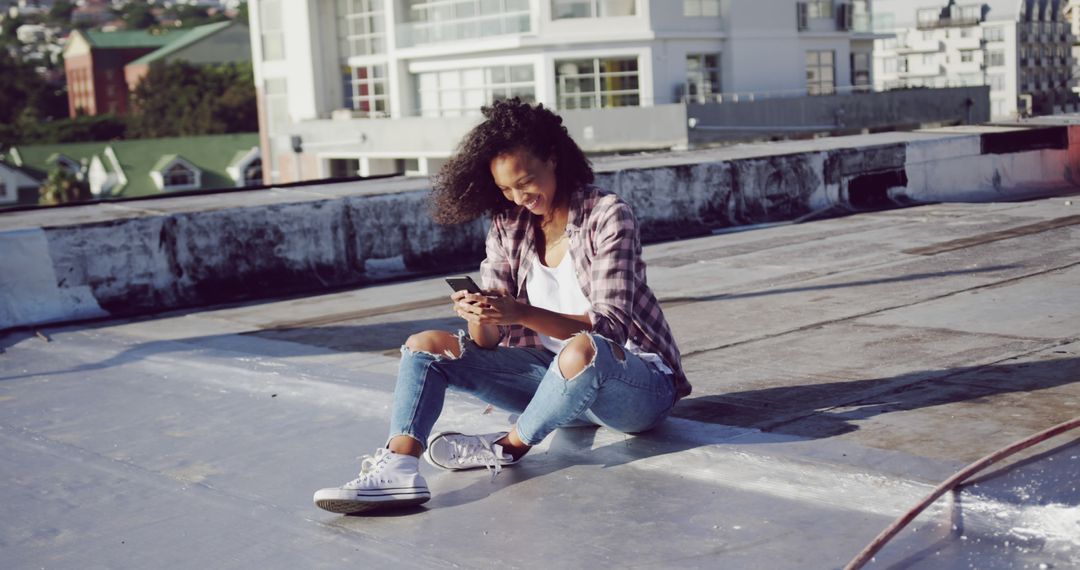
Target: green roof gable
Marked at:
189, 37
39, 158
211, 154
131, 38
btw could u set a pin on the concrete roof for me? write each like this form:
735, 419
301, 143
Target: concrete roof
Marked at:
842, 368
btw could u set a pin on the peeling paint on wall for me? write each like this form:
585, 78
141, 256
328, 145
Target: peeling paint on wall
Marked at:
159, 262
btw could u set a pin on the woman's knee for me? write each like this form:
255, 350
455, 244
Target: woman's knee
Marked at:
576, 355
439, 343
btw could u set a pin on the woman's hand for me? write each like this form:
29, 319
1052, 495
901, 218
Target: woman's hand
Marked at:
493, 308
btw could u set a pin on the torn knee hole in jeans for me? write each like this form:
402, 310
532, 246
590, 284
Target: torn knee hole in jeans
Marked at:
446, 353
590, 364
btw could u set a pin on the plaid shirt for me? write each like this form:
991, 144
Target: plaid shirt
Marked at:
606, 250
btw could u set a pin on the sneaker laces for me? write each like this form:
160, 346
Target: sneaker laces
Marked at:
370, 465
477, 451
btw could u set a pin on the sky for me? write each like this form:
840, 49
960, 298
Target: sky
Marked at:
905, 9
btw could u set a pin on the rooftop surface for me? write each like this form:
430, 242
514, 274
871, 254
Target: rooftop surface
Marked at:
841, 369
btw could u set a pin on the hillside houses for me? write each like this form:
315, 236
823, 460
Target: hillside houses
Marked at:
125, 169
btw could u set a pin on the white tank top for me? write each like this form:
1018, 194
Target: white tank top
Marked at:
557, 289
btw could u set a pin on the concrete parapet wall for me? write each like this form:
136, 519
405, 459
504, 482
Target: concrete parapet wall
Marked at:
839, 113
108, 260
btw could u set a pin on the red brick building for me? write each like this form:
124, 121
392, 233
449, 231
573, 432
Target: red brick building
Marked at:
94, 63
104, 67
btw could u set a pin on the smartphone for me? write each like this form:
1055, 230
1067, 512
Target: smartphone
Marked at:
464, 283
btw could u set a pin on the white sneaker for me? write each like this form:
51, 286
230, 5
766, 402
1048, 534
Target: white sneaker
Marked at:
455, 451
387, 480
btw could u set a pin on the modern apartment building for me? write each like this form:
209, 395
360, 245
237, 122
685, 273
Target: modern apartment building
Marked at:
1022, 49
374, 86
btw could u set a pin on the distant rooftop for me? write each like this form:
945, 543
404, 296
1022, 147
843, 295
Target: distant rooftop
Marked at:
191, 36
131, 38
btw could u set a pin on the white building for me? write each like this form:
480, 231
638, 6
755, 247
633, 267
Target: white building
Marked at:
342, 83
1022, 49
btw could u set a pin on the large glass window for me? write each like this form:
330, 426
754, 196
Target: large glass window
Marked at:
361, 27
598, 82
820, 73
819, 9
561, 9
702, 76
459, 92
995, 58
432, 21
365, 89
694, 8
860, 70
272, 33
277, 104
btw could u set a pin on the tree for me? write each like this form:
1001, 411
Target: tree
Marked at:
60, 14
8, 28
63, 187
181, 99
243, 15
138, 16
32, 110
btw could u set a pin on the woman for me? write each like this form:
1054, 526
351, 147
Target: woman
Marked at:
566, 332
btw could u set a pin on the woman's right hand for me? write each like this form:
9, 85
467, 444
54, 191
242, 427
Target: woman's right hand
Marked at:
468, 306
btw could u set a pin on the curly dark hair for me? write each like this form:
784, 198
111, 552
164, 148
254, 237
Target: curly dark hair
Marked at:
464, 189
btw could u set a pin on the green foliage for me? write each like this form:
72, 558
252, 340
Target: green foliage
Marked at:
7, 30
60, 14
62, 187
181, 99
191, 16
26, 100
137, 16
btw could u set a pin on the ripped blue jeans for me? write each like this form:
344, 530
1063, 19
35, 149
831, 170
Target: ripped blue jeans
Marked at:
628, 395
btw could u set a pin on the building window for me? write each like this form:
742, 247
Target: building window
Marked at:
860, 70
344, 167
967, 55
995, 59
366, 89
693, 8
561, 9
997, 82
277, 104
432, 21
253, 175
819, 9
994, 34
820, 73
178, 175
597, 83
459, 92
361, 27
997, 108
273, 38
702, 76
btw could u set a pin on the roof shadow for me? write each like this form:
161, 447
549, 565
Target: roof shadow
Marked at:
834, 408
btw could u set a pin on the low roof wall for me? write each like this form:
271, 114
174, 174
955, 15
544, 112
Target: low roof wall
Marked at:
128, 258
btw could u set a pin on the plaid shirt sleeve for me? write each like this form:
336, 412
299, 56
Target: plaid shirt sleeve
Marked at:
612, 275
496, 271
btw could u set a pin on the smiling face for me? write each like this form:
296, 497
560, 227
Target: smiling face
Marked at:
526, 180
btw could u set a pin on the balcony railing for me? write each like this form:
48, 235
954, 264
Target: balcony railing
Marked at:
477, 27
932, 18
